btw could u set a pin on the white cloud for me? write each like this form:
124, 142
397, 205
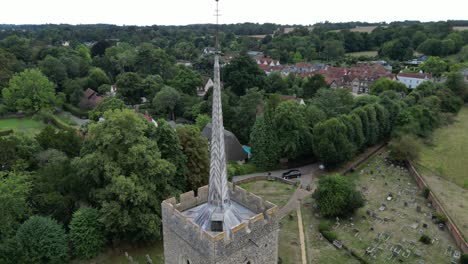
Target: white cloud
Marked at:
182, 12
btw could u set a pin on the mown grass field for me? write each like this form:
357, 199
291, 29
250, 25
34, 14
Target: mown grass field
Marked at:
289, 249
25, 125
369, 53
448, 156
460, 28
272, 191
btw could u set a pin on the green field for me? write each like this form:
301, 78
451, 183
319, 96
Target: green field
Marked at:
289, 249
25, 125
272, 191
117, 256
449, 154
460, 28
369, 53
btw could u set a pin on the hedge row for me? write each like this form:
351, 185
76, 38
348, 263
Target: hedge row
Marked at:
6, 132
75, 111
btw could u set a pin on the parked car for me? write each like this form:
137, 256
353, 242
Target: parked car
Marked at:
292, 174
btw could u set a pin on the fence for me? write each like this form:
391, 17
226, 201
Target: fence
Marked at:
451, 226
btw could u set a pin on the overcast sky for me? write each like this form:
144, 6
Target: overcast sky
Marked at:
183, 12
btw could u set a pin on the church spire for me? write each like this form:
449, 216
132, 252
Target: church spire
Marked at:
218, 214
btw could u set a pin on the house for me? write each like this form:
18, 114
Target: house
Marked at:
90, 99
465, 75
413, 80
207, 85
292, 98
209, 50
150, 119
267, 61
233, 148
255, 54
185, 63
361, 85
113, 91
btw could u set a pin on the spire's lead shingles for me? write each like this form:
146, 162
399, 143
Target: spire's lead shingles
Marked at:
218, 209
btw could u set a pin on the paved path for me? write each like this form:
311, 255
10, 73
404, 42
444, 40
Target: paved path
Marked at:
305, 170
301, 235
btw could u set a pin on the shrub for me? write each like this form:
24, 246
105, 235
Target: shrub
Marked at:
75, 111
324, 226
464, 259
425, 239
441, 218
86, 233
336, 196
329, 235
6, 132
426, 192
42, 240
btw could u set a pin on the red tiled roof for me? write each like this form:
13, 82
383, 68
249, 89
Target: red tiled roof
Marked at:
415, 75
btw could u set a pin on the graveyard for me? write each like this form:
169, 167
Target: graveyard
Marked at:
389, 227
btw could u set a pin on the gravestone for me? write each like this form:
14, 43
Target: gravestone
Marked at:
418, 208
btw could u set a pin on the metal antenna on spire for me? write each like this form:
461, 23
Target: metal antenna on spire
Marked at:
217, 26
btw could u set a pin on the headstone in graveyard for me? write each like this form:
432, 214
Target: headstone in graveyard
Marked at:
337, 244
418, 208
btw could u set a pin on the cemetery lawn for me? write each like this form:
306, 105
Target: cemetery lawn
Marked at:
272, 191
393, 233
447, 156
320, 251
25, 125
289, 249
117, 256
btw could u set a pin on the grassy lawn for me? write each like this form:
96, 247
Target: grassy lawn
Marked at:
272, 191
320, 250
25, 125
398, 227
369, 53
117, 256
289, 249
448, 155
460, 28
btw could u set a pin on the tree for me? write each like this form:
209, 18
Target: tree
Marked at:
434, 65
154, 60
14, 192
334, 101
195, 148
42, 240
96, 78
8, 66
186, 80
336, 196
246, 113
109, 103
313, 84
456, 84
397, 49
99, 48
333, 49
166, 100
129, 87
125, 177
265, 151
242, 73
18, 152
202, 120
406, 147
330, 142
54, 69
275, 83
171, 150
86, 233
384, 84
66, 140
291, 129
19, 46
464, 53
29, 91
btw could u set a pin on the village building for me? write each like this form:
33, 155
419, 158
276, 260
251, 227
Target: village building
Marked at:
206, 85
413, 80
90, 99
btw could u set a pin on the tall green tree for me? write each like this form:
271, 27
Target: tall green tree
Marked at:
330, 142
166, 101
246, 113
384, 84
186, 80
125, 176
129, 87
66, 140
30, 91
195, 148
313, 84
109, 103
243, 73
265, 151
87, 236
54, 69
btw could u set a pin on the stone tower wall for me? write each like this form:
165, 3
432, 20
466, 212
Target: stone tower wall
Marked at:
255, 241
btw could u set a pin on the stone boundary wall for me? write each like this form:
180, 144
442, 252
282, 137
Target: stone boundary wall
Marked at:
266, 178
452, 227
364, 157
266, 215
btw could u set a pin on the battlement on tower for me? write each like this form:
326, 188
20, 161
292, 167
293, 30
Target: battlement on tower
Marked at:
263, 222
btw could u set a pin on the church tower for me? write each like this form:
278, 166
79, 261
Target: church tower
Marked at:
223, 224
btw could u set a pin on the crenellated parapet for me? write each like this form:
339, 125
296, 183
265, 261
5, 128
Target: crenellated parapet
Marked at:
263, 221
